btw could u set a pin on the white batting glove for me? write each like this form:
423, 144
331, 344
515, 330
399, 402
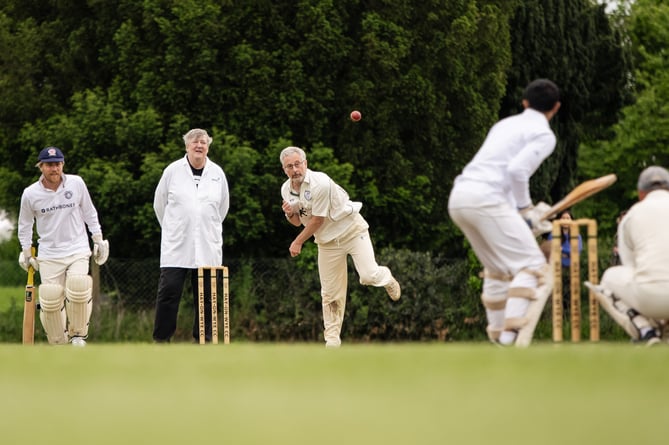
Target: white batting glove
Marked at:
533, 217
26, 259
100, 249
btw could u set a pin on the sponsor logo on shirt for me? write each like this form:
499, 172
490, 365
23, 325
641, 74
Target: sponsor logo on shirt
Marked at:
58, 207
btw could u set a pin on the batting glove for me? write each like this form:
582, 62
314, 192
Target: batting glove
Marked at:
100, 249
533, 216
26, 259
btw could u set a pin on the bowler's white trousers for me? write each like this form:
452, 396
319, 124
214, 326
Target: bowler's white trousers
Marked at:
333, 273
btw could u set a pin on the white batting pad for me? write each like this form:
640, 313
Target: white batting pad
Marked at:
630, 320
79, 303
535, 308
52, 313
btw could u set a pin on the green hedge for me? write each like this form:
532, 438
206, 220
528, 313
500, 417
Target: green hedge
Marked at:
279, 300
12, 274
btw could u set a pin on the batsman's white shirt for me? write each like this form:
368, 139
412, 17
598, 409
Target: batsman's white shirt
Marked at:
60, 216
191, 215
512, 151
319, 195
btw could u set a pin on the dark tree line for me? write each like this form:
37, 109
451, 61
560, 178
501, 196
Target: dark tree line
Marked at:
116, 83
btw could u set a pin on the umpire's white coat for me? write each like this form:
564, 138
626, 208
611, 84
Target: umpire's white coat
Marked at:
191, 215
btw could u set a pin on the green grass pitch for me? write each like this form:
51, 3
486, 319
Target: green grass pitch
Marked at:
409, 393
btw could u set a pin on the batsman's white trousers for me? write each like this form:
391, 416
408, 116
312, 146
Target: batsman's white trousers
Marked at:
56, 270
649, 299
503, 243
333, 273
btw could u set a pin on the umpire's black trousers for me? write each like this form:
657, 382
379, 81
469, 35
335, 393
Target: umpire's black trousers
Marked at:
170, 290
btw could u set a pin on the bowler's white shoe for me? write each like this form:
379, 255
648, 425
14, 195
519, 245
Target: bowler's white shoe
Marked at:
78, 341
394, 290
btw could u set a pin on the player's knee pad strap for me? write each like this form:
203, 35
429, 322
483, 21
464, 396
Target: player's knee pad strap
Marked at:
514, 324
52, 313
79, 303
494, 303
495, 275
522, 292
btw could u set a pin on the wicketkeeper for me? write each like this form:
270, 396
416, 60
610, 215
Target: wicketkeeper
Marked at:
60, 207
636, 293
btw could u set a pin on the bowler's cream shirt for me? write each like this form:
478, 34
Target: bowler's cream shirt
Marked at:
321, 196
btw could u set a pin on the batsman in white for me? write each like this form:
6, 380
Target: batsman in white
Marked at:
314, 200
60, 207
635, 293
491, 204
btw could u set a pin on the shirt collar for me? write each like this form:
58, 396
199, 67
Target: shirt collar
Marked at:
63, 178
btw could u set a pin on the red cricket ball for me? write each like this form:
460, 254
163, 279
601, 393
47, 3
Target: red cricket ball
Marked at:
356, 115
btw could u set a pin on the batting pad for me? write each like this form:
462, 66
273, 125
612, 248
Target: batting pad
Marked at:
52, 313
79, 303
536, 307
629, 319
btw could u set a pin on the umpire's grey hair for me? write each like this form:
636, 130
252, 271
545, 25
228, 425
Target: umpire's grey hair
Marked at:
653, 178
197, 133
291, 151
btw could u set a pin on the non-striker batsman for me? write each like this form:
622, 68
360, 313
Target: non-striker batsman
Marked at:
491, 204
60, 208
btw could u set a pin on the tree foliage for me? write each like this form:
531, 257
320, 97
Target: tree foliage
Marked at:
116, 83
641, 136
575, 44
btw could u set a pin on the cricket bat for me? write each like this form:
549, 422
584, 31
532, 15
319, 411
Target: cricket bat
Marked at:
29, 308
582, 191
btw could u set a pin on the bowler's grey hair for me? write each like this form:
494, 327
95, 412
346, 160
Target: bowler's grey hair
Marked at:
196, 133
291, 151
653, 178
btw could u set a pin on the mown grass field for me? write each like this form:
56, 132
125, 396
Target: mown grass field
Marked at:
243, 393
